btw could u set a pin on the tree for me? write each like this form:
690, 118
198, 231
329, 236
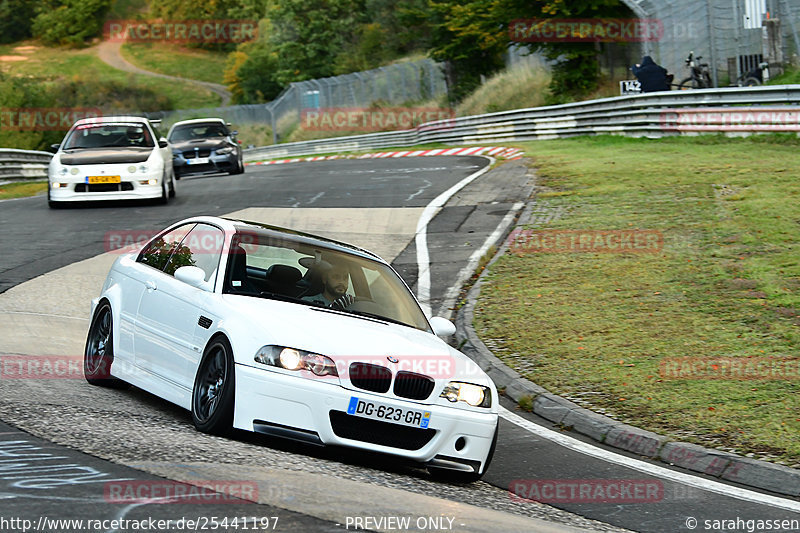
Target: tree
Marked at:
472, 36
15, 19
69, 22
308, 35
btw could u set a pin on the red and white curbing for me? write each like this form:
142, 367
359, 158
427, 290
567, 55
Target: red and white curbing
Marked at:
494, 151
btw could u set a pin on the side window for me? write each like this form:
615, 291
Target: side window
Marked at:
157, 253
202, 248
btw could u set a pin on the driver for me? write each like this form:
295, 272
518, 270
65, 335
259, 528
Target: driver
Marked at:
335, 282
135, 136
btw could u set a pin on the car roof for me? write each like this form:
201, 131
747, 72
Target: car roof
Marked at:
119, 118
199, 121
306, 238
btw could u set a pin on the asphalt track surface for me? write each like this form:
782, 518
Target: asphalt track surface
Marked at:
36, 240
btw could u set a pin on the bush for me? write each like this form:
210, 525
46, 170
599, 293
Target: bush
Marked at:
70, 22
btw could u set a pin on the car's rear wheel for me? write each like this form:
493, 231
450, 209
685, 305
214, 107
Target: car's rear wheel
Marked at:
99, 352
455, 476
214, 386
172, 187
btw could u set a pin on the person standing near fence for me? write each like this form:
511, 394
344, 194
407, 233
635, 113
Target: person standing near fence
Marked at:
651, 76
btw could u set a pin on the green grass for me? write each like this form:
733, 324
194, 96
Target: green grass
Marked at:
515, 88
175, 60
595, 326
84, 66
791, 75
22, 189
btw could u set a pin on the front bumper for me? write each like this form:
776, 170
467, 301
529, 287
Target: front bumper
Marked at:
131, 187
215, 164
316, 409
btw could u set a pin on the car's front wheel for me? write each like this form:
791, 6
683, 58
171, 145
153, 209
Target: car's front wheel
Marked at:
99, 352
214, 385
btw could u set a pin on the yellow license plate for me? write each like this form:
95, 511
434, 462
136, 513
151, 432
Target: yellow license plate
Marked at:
103, 179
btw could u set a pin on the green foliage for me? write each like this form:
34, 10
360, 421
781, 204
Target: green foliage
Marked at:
175, 10
69, 22
31, 94
472, 37
15, 20
307, 35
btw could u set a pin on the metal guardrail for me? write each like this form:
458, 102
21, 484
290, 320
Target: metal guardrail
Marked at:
737, 110
23, 164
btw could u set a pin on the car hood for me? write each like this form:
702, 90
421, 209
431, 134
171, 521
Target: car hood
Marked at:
200, 144
101, 156
350, 338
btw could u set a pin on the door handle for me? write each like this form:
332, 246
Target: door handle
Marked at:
150, 285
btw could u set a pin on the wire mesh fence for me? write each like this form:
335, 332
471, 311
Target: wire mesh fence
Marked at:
406, 83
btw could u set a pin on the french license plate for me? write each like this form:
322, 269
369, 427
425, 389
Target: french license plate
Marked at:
197, 161
388, 413
103, 179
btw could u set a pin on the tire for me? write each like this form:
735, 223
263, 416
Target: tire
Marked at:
50, 203
172, 187
454, 476
239, 169
98, 356
751, 82
213, 391
164, 199
688, 83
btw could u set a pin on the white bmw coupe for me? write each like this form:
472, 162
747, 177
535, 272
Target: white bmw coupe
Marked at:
288, 334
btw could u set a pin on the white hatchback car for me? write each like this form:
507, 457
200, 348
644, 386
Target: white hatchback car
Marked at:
111, 158
287, 334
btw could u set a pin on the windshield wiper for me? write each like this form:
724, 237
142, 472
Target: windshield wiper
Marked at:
281, 297
376, 316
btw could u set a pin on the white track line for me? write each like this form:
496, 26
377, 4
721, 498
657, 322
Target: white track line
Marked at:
472, 263
648, 468
423, 295
421, 238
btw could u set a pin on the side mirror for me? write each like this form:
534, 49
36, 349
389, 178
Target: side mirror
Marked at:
191, 275
441, 326
162, 143
54, 147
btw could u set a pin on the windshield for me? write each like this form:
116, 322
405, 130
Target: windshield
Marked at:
268, 267
110, 135
198, 131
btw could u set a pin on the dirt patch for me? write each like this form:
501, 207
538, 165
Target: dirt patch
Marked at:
13, 58
740, 283
29, 49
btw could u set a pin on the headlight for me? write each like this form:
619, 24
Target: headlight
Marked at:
224, 150
474, 395
292, 359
